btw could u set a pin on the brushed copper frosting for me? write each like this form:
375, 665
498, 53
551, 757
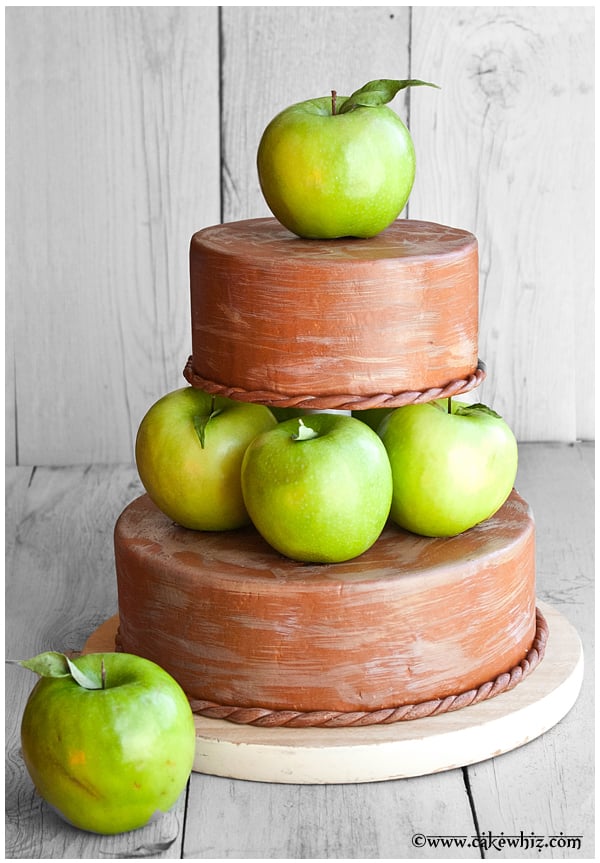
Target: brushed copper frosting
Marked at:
275, 314
503, 682
413, 619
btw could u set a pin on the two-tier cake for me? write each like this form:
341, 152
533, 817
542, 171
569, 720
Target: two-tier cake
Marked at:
413, 626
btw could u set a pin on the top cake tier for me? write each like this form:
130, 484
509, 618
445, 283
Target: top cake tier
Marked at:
346, 323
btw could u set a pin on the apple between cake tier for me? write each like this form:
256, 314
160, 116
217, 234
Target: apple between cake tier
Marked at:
410, 620
325, 324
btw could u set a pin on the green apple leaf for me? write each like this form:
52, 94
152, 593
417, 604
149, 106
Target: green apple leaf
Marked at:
53, 664
201, 422
49, 664
478, 408
377, 93
85, 679
304, 432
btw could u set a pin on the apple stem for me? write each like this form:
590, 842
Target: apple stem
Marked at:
333, 102
449, 404
103, 673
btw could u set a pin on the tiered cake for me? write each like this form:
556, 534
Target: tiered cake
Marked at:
412, 623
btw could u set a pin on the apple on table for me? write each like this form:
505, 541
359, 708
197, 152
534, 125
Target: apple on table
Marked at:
338, 166
189, 451
318, 489
108, 739
452, 469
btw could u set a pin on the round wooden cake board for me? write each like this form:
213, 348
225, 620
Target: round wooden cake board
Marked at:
403, 749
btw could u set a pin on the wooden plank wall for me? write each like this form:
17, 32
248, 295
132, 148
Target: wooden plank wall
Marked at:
129, 128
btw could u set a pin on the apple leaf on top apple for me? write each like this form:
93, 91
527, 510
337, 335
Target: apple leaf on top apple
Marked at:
49, 664
377, 93
87, 681
53, 664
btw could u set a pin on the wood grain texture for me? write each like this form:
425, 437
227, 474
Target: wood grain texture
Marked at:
60, 585
112, 163
559, 484
504, 151
247, 820
115, 117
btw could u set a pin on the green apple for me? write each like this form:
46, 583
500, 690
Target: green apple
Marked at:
108, 739
338, 166
189, 451
318, 489
451, 470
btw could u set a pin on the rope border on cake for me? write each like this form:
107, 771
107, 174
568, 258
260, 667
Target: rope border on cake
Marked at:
338, 401
262, 717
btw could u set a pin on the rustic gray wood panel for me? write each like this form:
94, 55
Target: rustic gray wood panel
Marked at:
558, 483
505, 150
60, 584
322, 822
277, 55
115, 117
112, 163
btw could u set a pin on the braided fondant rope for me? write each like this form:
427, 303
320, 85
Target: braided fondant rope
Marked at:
341, 401
336, 719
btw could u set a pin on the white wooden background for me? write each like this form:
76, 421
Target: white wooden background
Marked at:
129, 128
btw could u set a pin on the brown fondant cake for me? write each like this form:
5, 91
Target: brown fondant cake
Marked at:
344, 323
288, 321
410, 620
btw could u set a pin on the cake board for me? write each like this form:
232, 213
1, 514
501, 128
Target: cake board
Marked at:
403, 749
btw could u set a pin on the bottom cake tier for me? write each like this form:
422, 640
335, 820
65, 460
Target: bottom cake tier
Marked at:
412, 619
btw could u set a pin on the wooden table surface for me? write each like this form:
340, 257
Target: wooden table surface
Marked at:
60, 586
